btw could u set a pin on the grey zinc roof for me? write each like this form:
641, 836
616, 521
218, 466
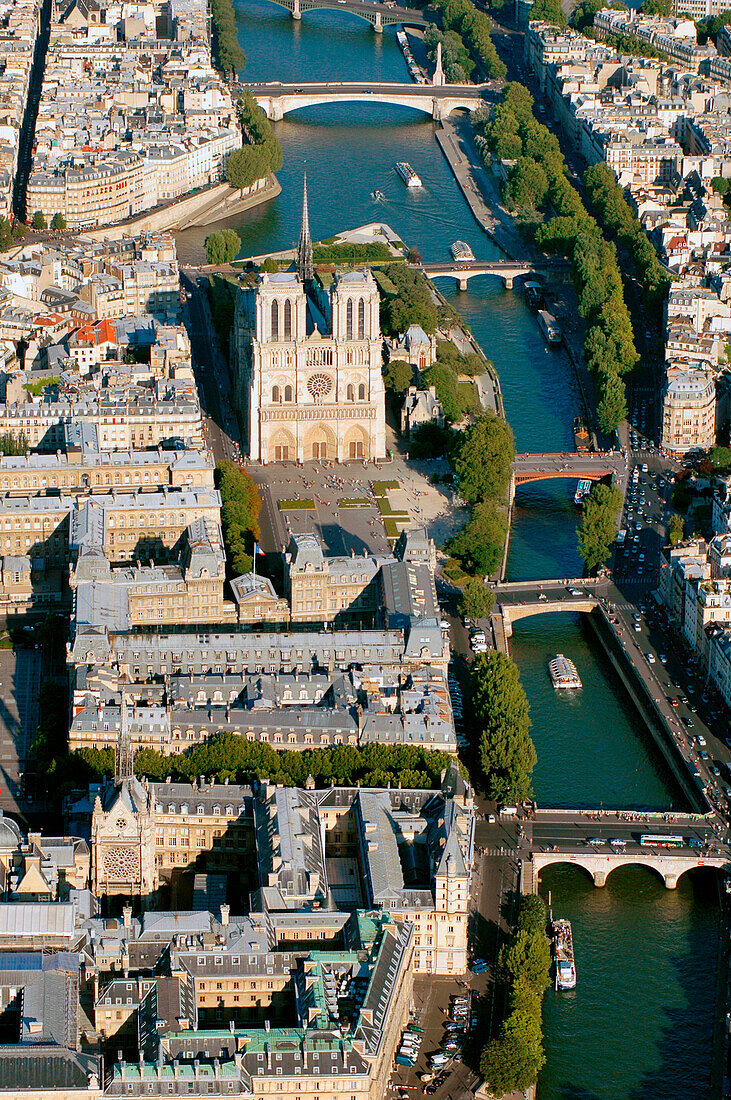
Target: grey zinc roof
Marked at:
380, 848
25, 920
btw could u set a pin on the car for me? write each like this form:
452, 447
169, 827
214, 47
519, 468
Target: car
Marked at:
715, 771
596, 841
689, 723
704, 755
673, 701
663, 658
650, 658
636, 627
480, 968
576, 592
445, 625
491, 819
701, 740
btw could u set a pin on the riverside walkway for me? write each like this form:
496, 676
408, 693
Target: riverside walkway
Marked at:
277, 99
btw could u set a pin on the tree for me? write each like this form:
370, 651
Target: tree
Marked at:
247, 165
223, 246
58, 221
532, 913
502, 720
612, 406
527, 956
429, 441
479, 545
240, 505
676, 529
484, 458
598, 527
657, 7
477, 600
39, 220
398, 376
508, 1065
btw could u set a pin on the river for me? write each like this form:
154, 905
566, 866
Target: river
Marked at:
639, 1024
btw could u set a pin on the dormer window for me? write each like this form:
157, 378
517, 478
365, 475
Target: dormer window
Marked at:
200, 811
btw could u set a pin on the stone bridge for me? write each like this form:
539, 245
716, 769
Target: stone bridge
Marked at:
378, 15
600, 841
669, 864
438, 101
507, 270
522, 599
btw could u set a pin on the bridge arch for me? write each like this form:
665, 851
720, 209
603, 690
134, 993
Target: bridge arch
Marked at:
277, 106
561, 860
654, 870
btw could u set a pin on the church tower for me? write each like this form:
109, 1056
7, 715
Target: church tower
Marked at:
305, 264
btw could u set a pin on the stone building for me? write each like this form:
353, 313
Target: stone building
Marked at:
689, 411
308, 365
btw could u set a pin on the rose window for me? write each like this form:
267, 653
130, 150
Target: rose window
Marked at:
319, 386
121, 865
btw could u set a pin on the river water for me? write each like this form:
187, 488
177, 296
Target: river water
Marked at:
639, 1024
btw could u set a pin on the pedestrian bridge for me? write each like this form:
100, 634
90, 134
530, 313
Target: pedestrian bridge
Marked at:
507, 270
669, 865
277, 99
378, 15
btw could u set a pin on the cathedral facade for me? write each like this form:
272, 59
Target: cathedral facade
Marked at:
308, 365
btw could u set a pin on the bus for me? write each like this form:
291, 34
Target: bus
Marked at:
664, 841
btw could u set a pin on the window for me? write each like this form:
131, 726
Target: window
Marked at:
351, 393
361, 319
275, 320
288, 320
361, 389
275, 394
349, 320
287, 393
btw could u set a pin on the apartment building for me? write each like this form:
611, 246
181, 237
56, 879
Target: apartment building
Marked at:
689, 410
95, 471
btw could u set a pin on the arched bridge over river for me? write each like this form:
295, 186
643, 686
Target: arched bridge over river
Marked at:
278, 99
378, 15
600, 842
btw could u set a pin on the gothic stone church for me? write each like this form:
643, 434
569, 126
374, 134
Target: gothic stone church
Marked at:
308, 364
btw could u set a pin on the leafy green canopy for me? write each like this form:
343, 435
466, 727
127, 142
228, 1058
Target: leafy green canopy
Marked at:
598, 528
240, 505
502, 720
223, 246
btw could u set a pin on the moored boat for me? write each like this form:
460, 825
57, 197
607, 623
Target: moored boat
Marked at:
549, 327
563, 672
407, 173
582, 490
562, 942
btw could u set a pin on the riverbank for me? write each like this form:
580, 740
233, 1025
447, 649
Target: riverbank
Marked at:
218, 203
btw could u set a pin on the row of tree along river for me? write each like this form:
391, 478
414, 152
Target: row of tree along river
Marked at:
639, 1023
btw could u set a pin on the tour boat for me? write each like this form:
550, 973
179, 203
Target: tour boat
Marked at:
549, 327
407, 173
378, 196
563, 672
461, 251
562, 941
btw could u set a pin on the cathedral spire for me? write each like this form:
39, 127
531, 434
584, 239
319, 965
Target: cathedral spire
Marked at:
305, 264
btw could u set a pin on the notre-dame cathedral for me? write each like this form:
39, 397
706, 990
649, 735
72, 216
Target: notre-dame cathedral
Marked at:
308, 364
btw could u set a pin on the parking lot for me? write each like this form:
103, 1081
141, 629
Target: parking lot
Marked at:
432, 1000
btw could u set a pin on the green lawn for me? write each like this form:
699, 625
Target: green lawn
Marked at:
290, 505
